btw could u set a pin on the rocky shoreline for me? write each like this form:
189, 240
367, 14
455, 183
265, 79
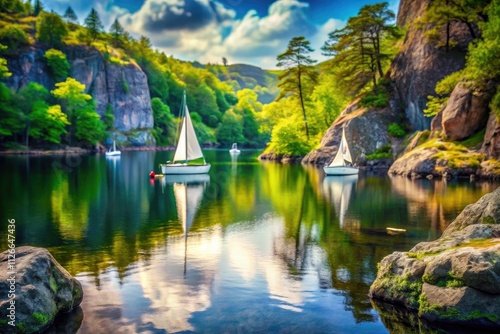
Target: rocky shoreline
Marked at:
36, 293
454, 279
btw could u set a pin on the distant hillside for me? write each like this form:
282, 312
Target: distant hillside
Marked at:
242, 76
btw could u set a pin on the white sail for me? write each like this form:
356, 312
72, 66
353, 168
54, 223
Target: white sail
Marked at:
187, 198
343, 153
346, 153
188, 147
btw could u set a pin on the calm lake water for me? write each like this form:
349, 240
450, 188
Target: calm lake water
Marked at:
251, 248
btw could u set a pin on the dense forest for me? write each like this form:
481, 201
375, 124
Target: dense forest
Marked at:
227, 106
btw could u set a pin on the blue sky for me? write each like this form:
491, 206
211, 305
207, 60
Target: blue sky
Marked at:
244, 31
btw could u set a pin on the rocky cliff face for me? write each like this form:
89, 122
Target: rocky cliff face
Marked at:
122, 87
420, 65
455, 278
366, 130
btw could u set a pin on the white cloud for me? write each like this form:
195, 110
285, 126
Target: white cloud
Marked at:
206, 30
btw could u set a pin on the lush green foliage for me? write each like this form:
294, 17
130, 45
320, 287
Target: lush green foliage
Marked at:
13, 36
164, 129
396, 130
47, 123
483, 63
444, 87
361, 50
299, 75
50, 28
383, 152
57, 62
93, 24
375, 99
442, 13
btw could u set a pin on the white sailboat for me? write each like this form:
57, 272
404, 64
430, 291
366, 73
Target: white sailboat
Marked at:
113, 151
338, 166
234, 149
338, 190
188, 149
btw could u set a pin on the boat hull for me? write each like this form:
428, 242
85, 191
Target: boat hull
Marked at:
113, 153
181, 169
340, 170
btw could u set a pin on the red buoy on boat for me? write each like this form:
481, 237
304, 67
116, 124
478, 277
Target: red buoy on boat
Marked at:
152, 174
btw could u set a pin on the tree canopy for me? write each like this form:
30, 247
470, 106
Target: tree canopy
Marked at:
93, 24
299, 74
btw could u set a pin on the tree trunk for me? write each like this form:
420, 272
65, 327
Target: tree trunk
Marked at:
302, 104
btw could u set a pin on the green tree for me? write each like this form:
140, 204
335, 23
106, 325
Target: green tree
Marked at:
13, 36
164, 128
4, 69
24, 101
57, 62
47, 123
73, 98
50, 28
70, 15
230, 130
299, 72
89, 126
93, 24
358, 48
37, 7
117, 33
445, 12
483, 63
287, 139
10, 117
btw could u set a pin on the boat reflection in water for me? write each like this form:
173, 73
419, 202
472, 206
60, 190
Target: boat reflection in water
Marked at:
337, 189
188, 192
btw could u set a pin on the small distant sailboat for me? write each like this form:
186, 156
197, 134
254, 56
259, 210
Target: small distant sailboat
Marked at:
113, 151
234, 149
188, 149
338, 166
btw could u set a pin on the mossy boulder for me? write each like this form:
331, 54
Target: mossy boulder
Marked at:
43, 289
455, 278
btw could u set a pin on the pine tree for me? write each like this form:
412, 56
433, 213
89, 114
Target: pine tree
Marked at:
298, 70
70, 15
93, 24
37, 8
358, 49
117, 32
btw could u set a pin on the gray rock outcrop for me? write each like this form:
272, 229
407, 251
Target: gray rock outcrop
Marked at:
43, 289
366, 130
121, 87
420, 65
455, 278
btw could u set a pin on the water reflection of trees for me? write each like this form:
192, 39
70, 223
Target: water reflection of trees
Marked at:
310, 222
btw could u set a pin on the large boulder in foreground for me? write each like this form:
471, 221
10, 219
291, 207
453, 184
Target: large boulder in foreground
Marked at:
43, 289
455, 278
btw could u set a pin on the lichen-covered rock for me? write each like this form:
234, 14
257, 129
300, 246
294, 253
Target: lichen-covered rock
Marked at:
43, 289
455, 278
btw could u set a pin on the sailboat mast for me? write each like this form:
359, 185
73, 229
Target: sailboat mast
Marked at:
185, 126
